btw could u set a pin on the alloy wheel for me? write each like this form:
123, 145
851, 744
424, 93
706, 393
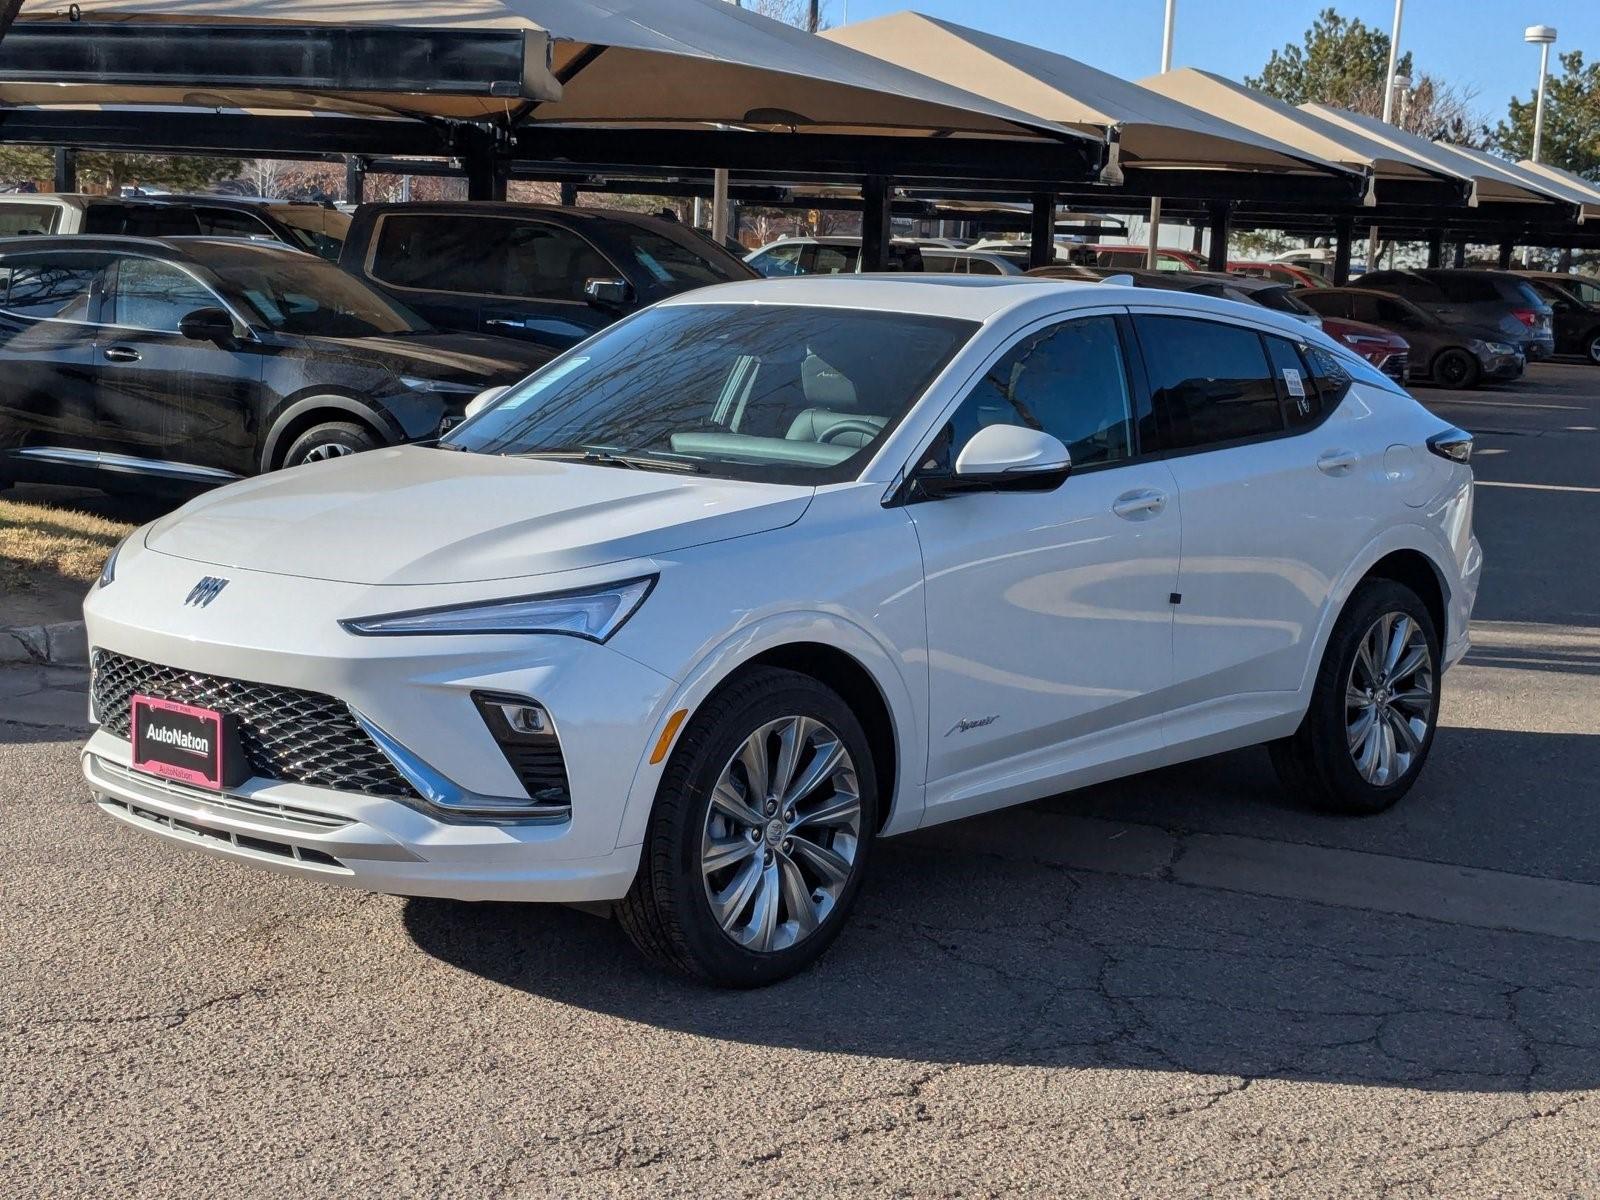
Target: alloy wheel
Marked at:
781, 834
1594, 349
323, 451
1389, 699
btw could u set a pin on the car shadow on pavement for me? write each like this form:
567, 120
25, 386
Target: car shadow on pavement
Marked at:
961, 956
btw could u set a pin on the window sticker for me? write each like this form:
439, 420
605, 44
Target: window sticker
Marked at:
651, 265
1296, 385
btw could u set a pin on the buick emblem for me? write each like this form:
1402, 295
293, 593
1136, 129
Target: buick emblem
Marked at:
204, 592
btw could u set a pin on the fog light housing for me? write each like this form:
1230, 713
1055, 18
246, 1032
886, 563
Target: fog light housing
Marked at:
526, 735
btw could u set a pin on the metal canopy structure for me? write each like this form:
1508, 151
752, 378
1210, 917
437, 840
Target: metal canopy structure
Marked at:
1162, 143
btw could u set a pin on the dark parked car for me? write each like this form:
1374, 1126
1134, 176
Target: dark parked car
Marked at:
1450, 354
317, 228
132, 362
829, 255
1575, 303
541, 273
1492, 300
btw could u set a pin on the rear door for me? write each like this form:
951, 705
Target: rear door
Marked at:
1274, 497
161, 396
47, 398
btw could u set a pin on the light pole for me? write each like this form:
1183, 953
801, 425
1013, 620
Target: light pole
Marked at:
1542, 36
1155, 202
1388, 112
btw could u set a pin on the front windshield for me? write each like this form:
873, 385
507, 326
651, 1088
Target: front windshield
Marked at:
315, 228
742, 391
668, 267
299, 294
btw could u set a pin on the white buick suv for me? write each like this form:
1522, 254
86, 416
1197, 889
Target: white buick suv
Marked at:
687, 619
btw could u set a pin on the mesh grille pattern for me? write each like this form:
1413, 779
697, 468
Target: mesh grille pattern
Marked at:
287, 734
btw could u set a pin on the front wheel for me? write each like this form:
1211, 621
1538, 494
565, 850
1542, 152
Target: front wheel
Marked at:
1456, 369
332, 439
1591, 348
760, 833
1374, 707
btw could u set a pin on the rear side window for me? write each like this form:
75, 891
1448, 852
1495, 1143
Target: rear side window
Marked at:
229, 222
832, 260
1412, 287
495, 256
1328, 306
1211, 383
20, 220
1297, 386
141, 220
1467, 289
50, 285
780, 260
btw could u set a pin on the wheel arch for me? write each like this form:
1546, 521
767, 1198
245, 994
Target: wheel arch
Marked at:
309, 411
836, 652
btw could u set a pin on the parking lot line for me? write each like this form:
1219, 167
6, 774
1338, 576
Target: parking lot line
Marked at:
1539, 487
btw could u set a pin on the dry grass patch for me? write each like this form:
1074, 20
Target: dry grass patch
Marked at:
42, 546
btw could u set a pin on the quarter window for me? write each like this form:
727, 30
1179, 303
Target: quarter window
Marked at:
155, 295
1210, 382
493, 256
780, 260
1302, 402
1069, 381
228, 222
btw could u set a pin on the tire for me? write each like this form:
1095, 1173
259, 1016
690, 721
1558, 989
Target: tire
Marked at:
1318, 762
332, 439
1591, 348
668, 912
1456, 369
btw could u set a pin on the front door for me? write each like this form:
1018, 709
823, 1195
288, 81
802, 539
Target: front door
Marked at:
164, 397
1049, 614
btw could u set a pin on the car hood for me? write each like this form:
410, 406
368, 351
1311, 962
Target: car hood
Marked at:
417, 515
454, 357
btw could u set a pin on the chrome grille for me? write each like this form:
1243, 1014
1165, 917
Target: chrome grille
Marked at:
287, 734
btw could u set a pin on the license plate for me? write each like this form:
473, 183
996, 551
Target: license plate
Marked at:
180, 742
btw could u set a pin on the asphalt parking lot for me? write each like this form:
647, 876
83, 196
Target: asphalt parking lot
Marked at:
1177, 985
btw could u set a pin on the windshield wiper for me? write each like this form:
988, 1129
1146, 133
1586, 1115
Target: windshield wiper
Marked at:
600, 457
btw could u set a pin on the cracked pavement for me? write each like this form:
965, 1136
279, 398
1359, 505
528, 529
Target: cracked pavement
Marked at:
1177, 985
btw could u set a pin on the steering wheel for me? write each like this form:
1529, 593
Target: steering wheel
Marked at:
850, 425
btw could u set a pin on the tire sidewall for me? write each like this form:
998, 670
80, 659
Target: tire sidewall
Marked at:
1469, 370
1592, 348
722, 959
1329, 737
332, 433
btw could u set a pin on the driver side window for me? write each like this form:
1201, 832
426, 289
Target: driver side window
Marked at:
147, 294
1070, 381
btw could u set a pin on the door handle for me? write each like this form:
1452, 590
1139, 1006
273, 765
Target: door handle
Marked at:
121, 354
1139, 505
1336, 462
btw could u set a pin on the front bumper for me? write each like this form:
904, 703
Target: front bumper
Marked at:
283, 632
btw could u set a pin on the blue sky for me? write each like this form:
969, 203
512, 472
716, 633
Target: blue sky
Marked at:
1474, 43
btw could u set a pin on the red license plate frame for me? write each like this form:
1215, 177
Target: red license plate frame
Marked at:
181, 742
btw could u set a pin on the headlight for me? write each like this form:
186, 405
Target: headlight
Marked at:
1501, 348
109, 571
440, 387
593, 613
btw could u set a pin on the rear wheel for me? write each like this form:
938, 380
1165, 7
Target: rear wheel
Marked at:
1374, 707
1456, 369
332, 439
1591, 348
760, 834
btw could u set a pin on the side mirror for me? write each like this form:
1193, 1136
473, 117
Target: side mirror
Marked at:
1005, 458
206, 325
607, 292
485, 398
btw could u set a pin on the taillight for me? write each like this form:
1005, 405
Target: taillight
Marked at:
1526, 315
1454, 444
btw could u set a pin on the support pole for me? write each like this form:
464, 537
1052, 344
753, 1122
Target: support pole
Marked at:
1505, 254
66, 169
719, 205
874, 223
488, 170
569, 195
1220, 213
355, 178
1461, 256
1343, 231
1436, 248
1042, 230
1198, 243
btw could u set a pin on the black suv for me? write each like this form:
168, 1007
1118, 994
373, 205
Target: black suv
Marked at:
1575, 301
541, 273
130, 363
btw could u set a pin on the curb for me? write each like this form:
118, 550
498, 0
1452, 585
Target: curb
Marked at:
63, 644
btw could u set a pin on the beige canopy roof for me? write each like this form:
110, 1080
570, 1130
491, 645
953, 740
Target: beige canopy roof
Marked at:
1302, 128
1156, 131
1588, 189
610, 62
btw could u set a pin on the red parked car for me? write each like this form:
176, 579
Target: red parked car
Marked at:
1294, 276
1383, 348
